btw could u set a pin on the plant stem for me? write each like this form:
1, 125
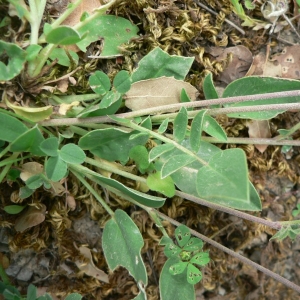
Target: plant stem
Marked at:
236, 255
177, 106
10, 160
75, 170
293, 222
8, 165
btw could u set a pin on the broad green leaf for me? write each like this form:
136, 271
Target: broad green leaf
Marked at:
72, 154
31, 292
165, 241
11, 128
122, 82
28, 142
147, 123
109, 99
196, 130
50, 146
122, 243
139, 154
145, 199
35, 181
100, 82
180, 124
178, 268
193, 244
256, 85
14, 209
159, 150
194, 275
114, 30
16, 60
74, 296
225, 179
32, 52
173, 287
34, 114
63, 35
171, 250
163, 126
110, 144
213, 128
184, 97
162, 185
182, 235
25, 192
200, 259
175, 163
55, 168
165, 65
63, 58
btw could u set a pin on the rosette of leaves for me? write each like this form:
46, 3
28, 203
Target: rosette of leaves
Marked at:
187, 256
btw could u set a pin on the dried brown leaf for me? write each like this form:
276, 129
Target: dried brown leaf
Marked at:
156, 92
90, 269
29, 169
259, 129
31, 217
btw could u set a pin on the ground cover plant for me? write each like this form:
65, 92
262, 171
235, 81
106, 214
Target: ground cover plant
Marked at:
163, 150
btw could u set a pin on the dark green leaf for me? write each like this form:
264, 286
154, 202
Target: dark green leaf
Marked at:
178, 268
72, 154
209, 89
63, 58
109, 99
159, 150
171, 250
212, 127
122, 82
200, 259
196, 130
194, 275
50, 146
31, 292
55, 168
14, 209
193, 244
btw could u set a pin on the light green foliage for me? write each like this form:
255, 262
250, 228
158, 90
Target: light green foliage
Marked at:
122, 243
14, 209
180, 123
162, 185
291, 231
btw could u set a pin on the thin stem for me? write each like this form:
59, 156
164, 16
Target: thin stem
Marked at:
7, 166
71, 98
293, 222
177, 106
75, 170
239, 214
236, 255
13, 160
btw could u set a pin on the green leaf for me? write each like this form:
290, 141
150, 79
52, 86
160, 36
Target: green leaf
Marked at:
25, 192
11, 128
180, 124
55, 168
165, 65
100, 82
110, 144
159, 150
63, 35
163, 126
139, 154
196, 130
194, 244
145, 199
178, 268
161, 185
174, 287
50, 146
28, 142
165, 241
184, 97
31, 292
212, 127
171, 250
74, 296
200, 259
14, 209
114, 30
259, 85
109, 99
175, 163
122, 82
122, 243
182, 235
63, 58
194, 275
209, 89
72, 154
225, 179
32, 52
16, 60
